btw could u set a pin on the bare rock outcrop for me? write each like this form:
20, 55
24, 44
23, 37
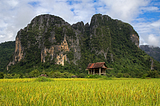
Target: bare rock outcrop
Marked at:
135, 39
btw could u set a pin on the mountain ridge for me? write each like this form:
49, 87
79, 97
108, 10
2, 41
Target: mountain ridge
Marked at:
49, 39
152, 51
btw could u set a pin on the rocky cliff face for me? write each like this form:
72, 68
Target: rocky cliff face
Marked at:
49, 38
104, 30
135, 39
18, 53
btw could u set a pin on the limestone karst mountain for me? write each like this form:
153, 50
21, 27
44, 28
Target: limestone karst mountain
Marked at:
49, 39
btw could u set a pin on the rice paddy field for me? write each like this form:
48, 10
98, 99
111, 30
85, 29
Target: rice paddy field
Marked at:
80, 92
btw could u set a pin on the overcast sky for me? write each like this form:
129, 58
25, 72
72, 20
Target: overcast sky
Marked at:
143, 15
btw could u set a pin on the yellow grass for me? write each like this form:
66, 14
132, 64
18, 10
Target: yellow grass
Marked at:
80, 92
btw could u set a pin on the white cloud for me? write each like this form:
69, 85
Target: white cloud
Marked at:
150, 8
23, 16
153, 40
156, 23
149, 32
1, 36
16, 14
126, 10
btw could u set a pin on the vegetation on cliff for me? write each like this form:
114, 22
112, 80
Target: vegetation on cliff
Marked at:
152, 51
49, 42
6, 51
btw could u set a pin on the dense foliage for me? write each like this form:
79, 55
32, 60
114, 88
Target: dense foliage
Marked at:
6, 51
104, 40
152, 51
113, 38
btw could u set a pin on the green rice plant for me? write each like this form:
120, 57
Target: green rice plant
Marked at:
80, 92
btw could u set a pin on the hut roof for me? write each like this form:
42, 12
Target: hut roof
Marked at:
97, 65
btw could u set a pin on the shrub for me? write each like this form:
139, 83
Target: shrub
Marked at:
34, 73
58, 75
153, 74
43, 79
109, 75
66, 75
1, 75
126, 75
119, 75
16, 76
81, 75
144, 76
94, 76
8, 76
108, 78
140, 75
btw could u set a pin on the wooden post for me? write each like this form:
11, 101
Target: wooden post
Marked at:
99, 71
93, 71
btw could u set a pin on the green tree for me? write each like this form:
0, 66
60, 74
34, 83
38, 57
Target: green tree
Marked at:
67, 75
58, 75
81, 75
6, 51
119, 75
1, 75
34, 73
153, 74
